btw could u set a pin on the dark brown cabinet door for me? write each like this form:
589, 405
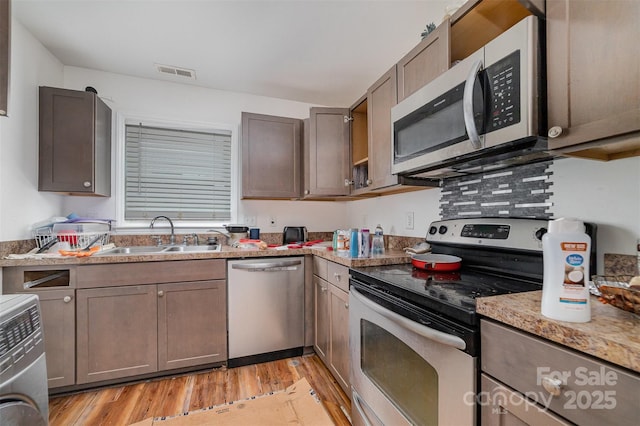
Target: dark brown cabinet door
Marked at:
271, 156
321, 323
117, 334
192, 323
59, 324
75, 143
430, 58
382, 95
592, 76
328, 161
339, 345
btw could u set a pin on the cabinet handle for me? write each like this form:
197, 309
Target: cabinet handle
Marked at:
337, 276
160, 293
66, 299
323, 289
347, 118
86, 184
348, 182
551, 385
555, 131
346, 305
369, 181
306, 192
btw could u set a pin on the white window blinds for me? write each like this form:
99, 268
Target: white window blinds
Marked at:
183, 174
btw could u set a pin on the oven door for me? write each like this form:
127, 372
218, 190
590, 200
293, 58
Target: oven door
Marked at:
406, 373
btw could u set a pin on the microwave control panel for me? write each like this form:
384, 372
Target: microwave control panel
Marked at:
503, 100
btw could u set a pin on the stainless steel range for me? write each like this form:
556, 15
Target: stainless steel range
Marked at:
415, 334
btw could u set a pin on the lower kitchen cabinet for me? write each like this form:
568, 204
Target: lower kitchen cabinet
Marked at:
160, 316
192, 324
331, 297
339, 341
117, 332
59, 324
321, 324
108, 322
527, 380
55, 287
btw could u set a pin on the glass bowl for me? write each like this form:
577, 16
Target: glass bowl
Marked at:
615, 290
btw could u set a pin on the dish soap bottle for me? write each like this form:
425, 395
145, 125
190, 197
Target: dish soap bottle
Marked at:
565, 255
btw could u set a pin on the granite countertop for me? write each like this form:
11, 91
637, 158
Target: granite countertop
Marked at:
389, 258
612, 334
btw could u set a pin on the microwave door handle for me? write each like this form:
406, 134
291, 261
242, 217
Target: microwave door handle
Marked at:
467, 105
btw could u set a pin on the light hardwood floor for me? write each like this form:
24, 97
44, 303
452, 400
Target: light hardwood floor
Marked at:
123, 405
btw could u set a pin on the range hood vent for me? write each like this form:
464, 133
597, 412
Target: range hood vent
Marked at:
180, 72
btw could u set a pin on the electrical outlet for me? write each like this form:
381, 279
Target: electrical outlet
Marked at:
250, 220
408, 220
272, 222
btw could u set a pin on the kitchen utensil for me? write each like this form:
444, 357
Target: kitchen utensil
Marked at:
48, 245
436, 262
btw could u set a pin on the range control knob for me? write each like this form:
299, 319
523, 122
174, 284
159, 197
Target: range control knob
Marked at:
540, 232
442, 230
433, 230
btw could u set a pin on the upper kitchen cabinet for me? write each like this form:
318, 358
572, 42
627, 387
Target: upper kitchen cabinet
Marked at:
593, 73
5, 54
75, 143
477, 22
359, 142
430, 58
271, 156
326, 152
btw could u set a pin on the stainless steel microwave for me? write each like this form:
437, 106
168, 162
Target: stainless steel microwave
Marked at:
484, 113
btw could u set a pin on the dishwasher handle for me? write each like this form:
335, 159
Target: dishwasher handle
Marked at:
278, 265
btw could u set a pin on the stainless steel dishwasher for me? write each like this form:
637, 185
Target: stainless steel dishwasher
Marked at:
266, 309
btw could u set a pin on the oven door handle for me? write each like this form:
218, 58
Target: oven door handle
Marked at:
429, 333
467, 105
357, 403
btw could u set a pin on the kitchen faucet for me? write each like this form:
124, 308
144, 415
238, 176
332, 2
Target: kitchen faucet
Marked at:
172, 238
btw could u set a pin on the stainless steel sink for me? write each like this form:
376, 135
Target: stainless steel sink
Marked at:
191, 249
133, 250
158, 249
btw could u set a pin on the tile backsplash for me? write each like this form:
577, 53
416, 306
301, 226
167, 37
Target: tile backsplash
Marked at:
522, 191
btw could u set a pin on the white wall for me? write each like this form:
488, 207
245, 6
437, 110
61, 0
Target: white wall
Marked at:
20, 202
389, 211
605, 193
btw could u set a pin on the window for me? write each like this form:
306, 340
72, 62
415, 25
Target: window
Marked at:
181, 173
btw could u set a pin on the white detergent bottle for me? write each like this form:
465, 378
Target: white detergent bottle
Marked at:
565, 254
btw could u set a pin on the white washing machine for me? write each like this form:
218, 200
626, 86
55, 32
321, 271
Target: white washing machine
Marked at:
24, 399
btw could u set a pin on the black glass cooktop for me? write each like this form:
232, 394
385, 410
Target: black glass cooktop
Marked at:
452, 294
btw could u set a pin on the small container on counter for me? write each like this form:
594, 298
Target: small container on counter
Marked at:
354, 246
377, 243
365, 243
343, 243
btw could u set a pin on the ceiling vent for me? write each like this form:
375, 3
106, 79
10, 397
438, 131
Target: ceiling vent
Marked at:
180, 72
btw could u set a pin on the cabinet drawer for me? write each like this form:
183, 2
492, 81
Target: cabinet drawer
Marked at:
338, 275
592, 392
320, 267
109, 275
